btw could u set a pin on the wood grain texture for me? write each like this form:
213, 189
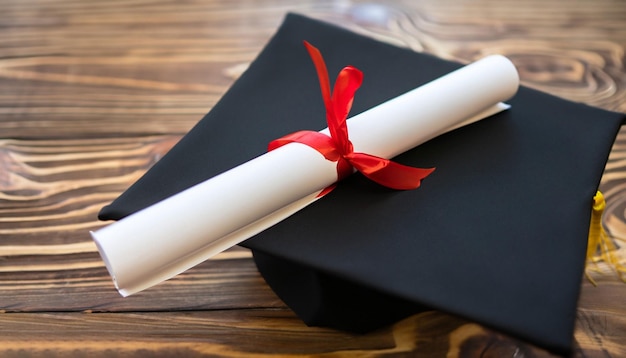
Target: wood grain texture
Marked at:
94, 93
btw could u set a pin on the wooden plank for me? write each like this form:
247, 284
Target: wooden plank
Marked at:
277, 331
257, 333
229, 281
91, 69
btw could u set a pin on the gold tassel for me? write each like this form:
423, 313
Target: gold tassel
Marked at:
600, 247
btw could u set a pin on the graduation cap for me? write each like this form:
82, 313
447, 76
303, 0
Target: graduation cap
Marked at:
497, 234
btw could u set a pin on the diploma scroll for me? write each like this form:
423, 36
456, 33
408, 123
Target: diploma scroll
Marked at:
183, 230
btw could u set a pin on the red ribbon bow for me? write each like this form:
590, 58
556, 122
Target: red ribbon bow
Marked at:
338, 147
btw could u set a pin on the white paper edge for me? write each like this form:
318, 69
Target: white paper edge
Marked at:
211, 249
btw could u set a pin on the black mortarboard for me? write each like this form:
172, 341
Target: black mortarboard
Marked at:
497, 234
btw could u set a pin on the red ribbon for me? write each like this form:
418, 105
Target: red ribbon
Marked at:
337, 147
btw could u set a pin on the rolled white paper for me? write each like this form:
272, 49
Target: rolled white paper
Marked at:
179, 232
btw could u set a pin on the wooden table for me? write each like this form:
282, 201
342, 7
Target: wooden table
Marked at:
93, 93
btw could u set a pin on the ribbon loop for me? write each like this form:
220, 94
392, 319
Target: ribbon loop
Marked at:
338, 146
